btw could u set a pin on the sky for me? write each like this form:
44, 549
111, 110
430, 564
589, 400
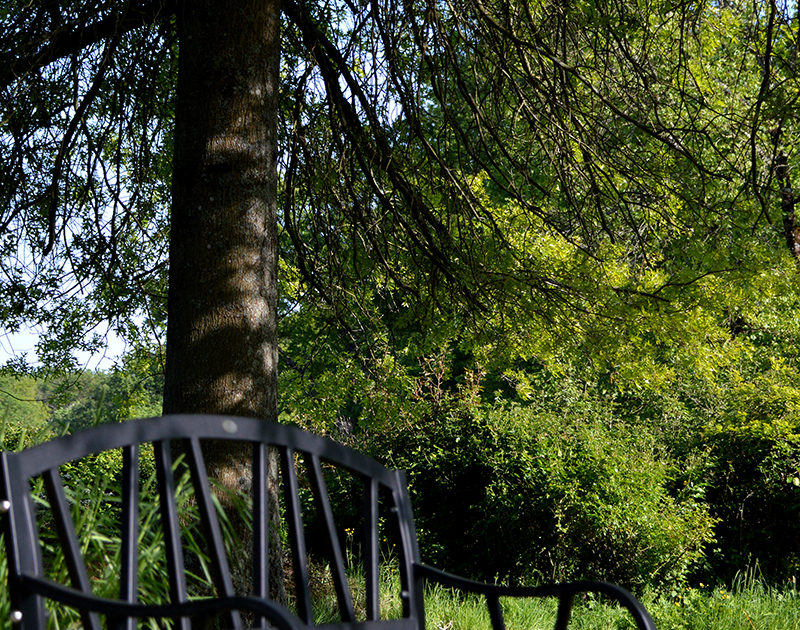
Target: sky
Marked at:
24, 343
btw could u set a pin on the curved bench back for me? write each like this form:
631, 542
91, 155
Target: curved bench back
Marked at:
167, 513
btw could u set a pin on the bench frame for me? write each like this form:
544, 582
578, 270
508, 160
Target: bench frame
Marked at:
28, 586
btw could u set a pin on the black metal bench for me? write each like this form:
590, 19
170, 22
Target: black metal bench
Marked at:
43, 496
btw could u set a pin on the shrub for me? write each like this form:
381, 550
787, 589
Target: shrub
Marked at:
527, 493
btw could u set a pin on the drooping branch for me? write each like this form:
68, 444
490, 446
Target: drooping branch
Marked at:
64, 43
67, 139
763, 90
372, 147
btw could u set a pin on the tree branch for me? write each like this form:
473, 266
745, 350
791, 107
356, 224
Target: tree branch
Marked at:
372, 149
65, 43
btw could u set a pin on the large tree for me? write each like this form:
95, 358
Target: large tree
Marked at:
84, 131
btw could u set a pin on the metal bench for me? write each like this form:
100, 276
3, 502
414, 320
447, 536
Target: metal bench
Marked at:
44, 496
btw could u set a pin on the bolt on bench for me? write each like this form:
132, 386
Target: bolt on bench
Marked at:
167, 555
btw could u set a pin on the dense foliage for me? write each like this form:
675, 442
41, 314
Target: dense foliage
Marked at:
615, 391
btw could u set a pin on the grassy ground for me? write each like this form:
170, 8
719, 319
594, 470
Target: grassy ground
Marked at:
749, 606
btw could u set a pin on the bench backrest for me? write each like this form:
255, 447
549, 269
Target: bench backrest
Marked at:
170, 527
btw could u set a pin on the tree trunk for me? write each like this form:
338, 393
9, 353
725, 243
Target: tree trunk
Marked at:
221, 332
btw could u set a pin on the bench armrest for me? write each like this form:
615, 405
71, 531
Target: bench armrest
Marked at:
564, 592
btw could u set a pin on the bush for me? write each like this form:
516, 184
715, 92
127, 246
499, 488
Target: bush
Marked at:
527, 493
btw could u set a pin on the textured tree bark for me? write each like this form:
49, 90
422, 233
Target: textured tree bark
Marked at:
222, 303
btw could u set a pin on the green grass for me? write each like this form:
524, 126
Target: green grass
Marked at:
749, 605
